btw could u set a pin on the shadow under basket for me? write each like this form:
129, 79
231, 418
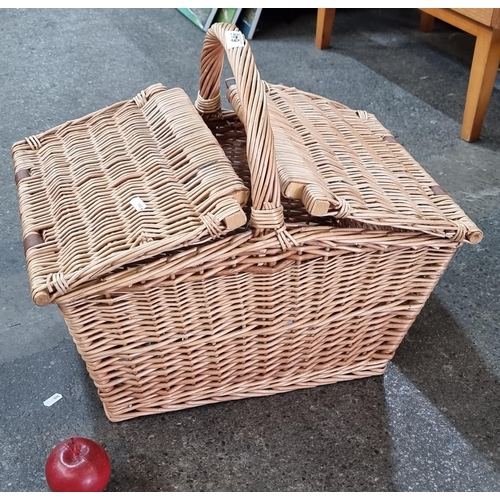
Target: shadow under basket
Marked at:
201, 255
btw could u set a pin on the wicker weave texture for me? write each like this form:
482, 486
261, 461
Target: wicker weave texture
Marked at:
76, 183
343, 163
326, 151
242, 334
337, 161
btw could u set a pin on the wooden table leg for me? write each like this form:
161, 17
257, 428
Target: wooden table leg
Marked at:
426, 22
324, 27
482, 79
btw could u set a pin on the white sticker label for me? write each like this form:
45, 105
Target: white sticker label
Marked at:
234, 39
137, 203
53, 399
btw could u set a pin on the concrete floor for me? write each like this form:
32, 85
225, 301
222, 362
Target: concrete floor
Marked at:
431, 423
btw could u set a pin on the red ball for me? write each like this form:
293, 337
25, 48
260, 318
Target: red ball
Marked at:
78, 464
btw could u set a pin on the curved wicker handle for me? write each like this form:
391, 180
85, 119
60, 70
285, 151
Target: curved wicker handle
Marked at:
267, 212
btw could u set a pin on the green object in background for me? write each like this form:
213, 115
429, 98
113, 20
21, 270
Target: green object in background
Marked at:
203, 18
227, 16
248, 20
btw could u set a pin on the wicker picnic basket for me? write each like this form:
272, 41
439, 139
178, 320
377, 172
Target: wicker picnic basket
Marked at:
201, 255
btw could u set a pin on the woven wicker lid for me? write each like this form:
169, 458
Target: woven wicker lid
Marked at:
344, 163
129, 181
337, 161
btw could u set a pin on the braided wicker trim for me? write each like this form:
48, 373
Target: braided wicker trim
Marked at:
208, 106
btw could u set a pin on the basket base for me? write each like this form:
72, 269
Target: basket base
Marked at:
121, 412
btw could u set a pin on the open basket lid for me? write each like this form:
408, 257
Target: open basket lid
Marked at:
125, 183
344, 163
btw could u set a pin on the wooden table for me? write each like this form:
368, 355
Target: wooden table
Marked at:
484, 24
